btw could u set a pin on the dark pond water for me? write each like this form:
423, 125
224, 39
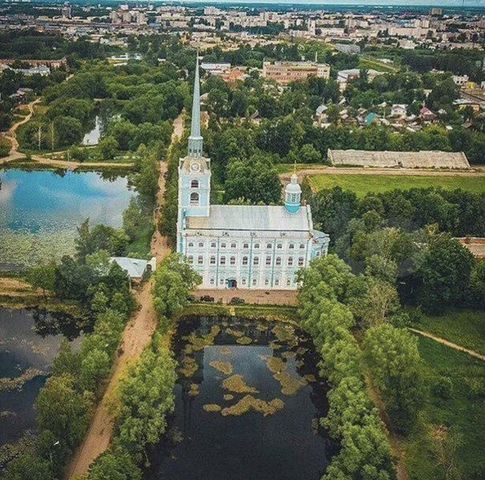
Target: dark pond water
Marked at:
248, 400
29, 342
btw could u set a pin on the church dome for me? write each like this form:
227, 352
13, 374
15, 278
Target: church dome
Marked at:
293, 186
293, 195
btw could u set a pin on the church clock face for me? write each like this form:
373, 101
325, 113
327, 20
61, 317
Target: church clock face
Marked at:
195, 167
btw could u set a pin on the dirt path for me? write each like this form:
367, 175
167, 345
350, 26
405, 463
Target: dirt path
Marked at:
394, 440
448, 343
12, 133
136, 337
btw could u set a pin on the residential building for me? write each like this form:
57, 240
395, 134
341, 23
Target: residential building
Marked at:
287, 72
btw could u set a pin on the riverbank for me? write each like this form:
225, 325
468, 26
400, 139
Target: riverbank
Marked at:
282, 313
37, 162
16, 293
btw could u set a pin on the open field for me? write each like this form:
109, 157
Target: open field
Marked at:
375, 64
464, 327
462, 408
363, 184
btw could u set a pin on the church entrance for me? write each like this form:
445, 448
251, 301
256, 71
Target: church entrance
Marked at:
231, 283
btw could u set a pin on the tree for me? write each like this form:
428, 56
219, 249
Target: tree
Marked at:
445, 443
43, 277
146, 395
332, 210
66, 132
254, 180
101, 237
391, 355
28, 466
114, 465
174, 280
445, 274
62, 410
5, 146
108, 147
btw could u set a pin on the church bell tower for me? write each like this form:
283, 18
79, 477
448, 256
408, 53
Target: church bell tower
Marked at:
194, 169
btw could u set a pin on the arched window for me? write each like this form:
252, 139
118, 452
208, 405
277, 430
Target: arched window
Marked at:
194, 198
194, 184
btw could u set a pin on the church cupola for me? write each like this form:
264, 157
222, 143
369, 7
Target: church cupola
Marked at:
293, 195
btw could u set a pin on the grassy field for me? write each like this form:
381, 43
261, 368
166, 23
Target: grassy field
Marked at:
363, 184
375, 64
464, 327
462, 409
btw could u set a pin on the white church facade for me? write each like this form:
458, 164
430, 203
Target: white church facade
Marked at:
241, 246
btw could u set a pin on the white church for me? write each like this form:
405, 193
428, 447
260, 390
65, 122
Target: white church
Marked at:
240, 246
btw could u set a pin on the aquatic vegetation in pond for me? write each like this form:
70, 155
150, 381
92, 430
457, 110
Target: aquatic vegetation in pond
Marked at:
289, 384
284, 333
236, 384
249, 403
40, 210
26, 359
234, 333
275, 364
16, 383
241, 426
243, 340
212, 407
199, 343
189, 367
223, 367
194, 390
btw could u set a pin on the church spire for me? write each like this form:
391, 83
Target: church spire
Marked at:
195, 139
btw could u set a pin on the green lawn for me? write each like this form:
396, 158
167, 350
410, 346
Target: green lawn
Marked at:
363, 184
463, 410
464, 327
375, 64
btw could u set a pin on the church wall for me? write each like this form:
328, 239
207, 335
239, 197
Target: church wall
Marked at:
258, 262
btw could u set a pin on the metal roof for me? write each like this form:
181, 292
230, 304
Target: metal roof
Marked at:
423, 159
253, 218
134, 267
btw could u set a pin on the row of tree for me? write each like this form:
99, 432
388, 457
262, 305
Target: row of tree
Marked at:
146, 392
351, 420
65, 404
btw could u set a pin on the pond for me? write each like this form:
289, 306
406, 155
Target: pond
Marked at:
40, 210
248, 400
92, 137
29, 342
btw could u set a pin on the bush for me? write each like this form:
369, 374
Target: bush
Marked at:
5, 146
443, 388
